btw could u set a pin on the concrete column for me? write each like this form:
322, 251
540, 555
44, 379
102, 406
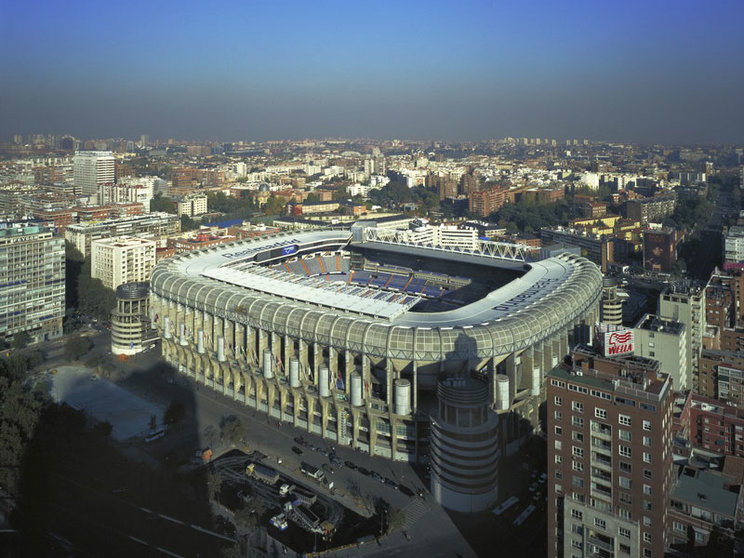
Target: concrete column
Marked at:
511, 371
372, 433
348, 369
389, 377
276, 350
340, 431
317, 361
393, 437
414, 406
333, 364
288, 352
302, 355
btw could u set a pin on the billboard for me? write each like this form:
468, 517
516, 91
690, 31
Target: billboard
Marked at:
618, 342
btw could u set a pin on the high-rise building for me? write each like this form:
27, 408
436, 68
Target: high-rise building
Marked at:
609, 457
120, 260
91, 169
611, 309
192, 205
32, 281
666, 341
686, 304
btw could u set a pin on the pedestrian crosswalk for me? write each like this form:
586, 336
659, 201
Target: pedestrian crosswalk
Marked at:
414, 511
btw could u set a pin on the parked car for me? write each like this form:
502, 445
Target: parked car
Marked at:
350, 464
363, 471
297, 450
378, 477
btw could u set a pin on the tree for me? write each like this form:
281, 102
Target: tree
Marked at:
188, 224
20, 340
93, 297
274, 206
77, 346
174, 413
232, 429
162, 203
312, 198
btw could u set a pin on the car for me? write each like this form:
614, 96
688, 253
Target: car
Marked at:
327, 468
336, 462
378, 477
350, 464
390, 482
300, 441
363, 471
297, 450
405, 490
324, 452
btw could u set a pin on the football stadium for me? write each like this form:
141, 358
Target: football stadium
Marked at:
405, 350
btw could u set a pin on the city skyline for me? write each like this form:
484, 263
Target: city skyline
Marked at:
638, 73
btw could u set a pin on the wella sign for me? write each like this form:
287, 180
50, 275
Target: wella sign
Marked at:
618, 342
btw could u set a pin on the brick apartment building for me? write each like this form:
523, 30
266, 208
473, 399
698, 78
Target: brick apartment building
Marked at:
609, 457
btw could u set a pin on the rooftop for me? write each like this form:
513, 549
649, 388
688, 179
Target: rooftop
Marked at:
647, 387
652, 322
705, 489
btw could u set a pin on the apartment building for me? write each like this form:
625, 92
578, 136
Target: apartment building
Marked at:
123, 259
666, 341
609, 457
192, 205
686, 305
91, 169
32, 281
153, 225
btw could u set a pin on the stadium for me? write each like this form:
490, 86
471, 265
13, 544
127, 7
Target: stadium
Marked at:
351, 333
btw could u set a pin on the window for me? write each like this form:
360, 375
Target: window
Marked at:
559, 430
699, 537
558, 445
679, 527
578, 437
647, 425
647, 473
623, 532
601, 523
647, 505
624, 482
624, 548
625, 451
558, 459
646, 553
577, 406
578, 422
647, 521
578, 497
576, 544
647, 441
626, 467
647, 537
558, 474
577, 466
558, 488
623, 514
577, 482
600, 413
558, 401
625, 435
646, 457
625, 498
577, 451
576, 514
624, 420
557, 415
647, 489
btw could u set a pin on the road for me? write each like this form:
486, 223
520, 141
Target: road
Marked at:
427, 523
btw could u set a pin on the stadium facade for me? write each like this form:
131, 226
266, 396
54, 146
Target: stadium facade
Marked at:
350, 333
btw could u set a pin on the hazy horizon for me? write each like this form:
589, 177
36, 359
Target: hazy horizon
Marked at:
637, 72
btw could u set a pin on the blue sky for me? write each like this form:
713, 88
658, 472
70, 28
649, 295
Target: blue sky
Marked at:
653, 71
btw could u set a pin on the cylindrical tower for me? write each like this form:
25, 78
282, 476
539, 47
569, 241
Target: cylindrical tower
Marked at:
221, 349
200, 341
130, 320
294, 372
323, 381
502, 392
356, 390
268, 364
402, 397
464, 446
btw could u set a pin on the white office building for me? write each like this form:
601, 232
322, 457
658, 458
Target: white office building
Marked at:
91, 169
123, 259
